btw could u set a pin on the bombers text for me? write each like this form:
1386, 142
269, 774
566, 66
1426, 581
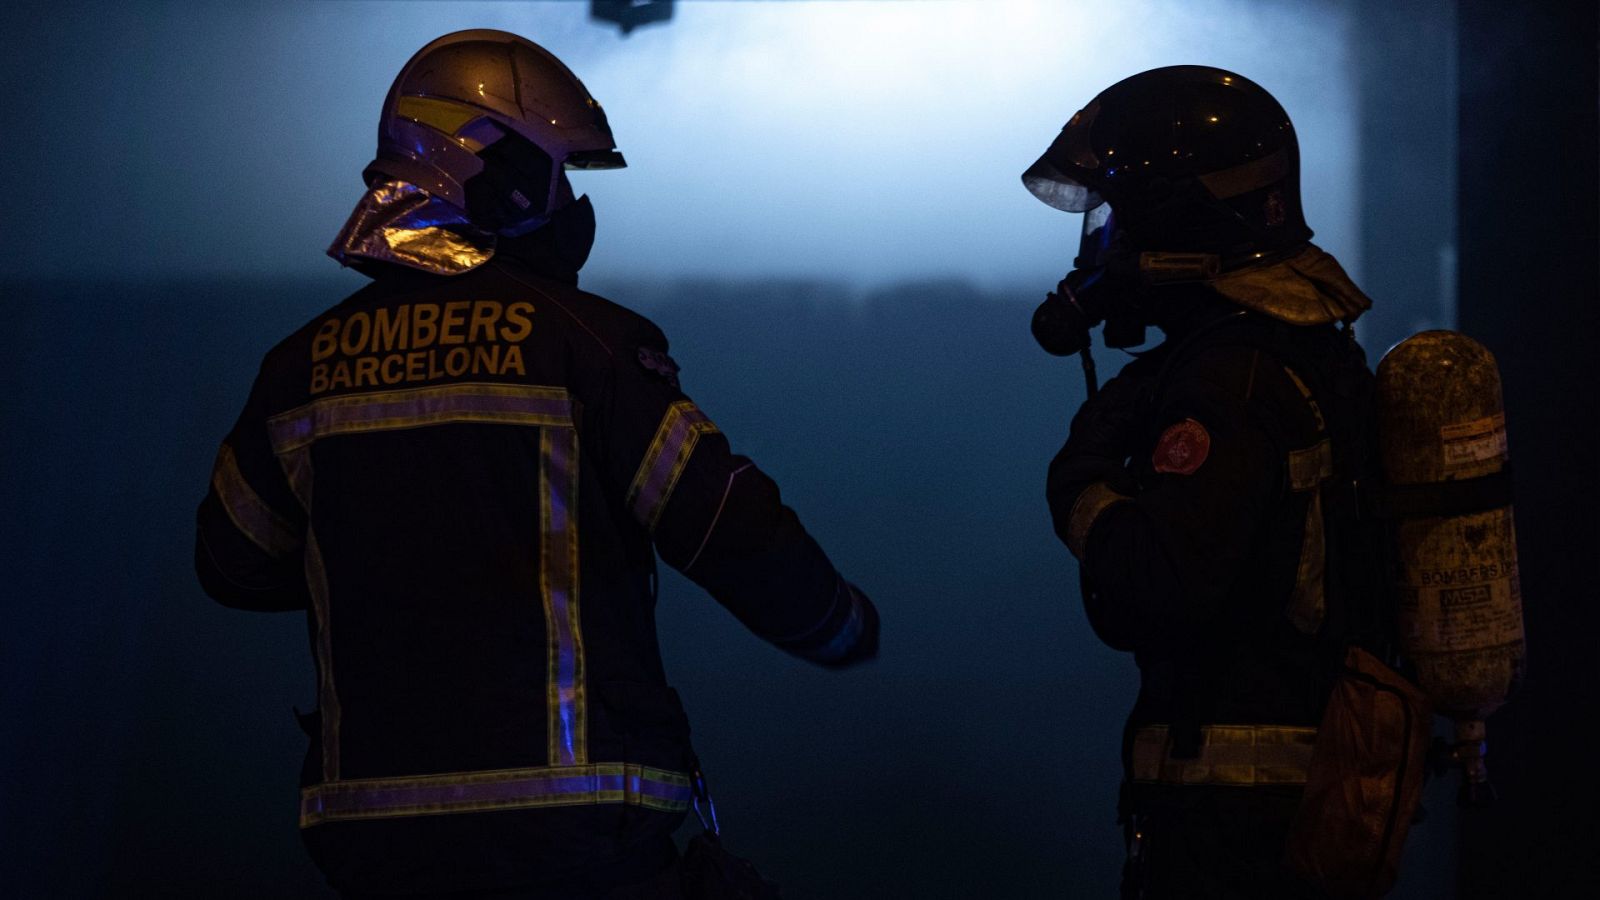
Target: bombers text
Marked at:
420, 342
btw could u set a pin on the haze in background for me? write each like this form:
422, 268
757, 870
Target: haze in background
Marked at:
864, 141
822, 210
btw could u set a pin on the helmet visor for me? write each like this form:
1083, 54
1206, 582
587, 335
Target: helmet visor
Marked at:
1055, 188
1048, 179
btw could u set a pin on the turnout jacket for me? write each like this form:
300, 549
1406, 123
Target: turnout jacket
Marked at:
1225, 553
465, 480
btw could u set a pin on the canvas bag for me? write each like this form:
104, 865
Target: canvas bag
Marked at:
1365, 781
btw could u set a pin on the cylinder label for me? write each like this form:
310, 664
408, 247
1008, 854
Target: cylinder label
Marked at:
1466, 443
1460, 607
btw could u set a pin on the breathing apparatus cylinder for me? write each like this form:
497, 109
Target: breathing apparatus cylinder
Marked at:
1442, 443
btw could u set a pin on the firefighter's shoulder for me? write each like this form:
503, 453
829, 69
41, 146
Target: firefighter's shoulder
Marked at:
627, 339
608, 326
635, 341
622, 329
281, 381
1217, 368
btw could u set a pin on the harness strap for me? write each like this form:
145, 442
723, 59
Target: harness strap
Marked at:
1439, 498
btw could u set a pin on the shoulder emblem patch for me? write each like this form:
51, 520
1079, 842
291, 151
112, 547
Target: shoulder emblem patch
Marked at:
1182, 449
659, 364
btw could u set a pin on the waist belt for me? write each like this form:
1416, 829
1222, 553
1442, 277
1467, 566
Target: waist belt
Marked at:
1229, 754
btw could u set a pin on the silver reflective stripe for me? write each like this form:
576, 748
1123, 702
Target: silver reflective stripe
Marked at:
1086, 510
462, 792
1311, 466
327, 693
1241, 755
1308, 604
248, 512
1250, 176
551, 410
565, 705
844, 640
665, 459
508, 404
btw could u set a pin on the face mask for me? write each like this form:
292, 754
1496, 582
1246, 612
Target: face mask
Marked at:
1100, 288
1110, 284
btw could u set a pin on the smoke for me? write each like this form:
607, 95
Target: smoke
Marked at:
867, 142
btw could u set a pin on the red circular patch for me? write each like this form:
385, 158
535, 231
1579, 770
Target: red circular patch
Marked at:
1182, 449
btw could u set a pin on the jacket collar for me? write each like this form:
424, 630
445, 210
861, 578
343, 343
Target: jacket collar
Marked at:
1308, 288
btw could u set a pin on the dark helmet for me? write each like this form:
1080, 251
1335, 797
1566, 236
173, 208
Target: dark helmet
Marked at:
1190, 159
487, 121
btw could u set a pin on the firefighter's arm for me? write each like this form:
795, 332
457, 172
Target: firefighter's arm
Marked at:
1159, 557
719, 520
250, 531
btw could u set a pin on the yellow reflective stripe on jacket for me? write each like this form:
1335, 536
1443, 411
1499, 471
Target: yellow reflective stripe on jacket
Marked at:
665, 460
1310, 466
328, 707
552, 410
1242, 755
505, 404
248, 512
565, 706
1086, 510
625, 784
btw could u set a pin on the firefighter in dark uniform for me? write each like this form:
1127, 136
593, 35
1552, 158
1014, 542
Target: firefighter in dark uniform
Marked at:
1206, 489
464, 472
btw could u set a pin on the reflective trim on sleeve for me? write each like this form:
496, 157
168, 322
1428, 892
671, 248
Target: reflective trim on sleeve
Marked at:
1086, 510
1311, 466
1241, 755
1308, 469
461, 792
328, 707
565, 706
664, 461
840, 645
507, 404
1308, 604
296, 465
248, 512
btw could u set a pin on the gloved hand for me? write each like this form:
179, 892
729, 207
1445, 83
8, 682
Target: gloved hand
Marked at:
1098, 444
865, 646
848, 637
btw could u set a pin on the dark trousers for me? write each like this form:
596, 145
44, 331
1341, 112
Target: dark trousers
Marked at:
665, 884
1211, 843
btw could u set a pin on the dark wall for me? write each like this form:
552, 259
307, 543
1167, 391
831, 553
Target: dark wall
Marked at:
1529, 250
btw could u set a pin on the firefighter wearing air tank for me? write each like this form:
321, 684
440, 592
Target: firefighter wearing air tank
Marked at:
1204, 488
464, 473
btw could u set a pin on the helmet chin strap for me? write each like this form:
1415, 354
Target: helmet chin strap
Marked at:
1115, 285
559, 196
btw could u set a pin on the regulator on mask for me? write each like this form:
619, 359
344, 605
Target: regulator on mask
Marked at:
1109, 284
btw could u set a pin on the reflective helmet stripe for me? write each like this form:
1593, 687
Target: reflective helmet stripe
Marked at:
1253, 175
445, 115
